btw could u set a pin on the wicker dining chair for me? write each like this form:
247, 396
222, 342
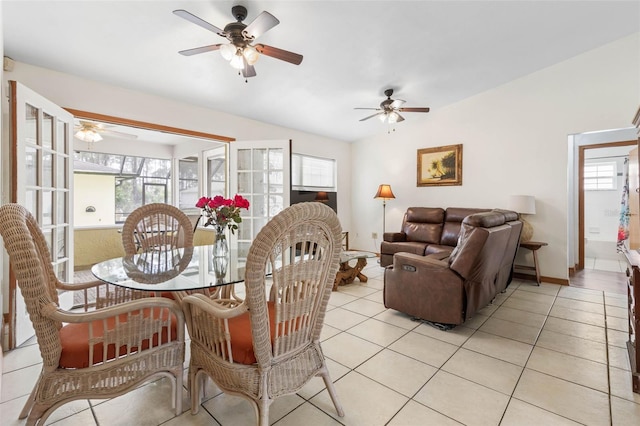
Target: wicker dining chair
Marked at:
79, 356
156, 225
263, 349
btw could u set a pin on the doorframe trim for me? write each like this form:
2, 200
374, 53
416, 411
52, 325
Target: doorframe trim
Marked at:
581, 152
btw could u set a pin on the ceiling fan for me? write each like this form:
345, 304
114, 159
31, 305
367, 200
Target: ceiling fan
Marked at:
240, 53
389, 109
89, 131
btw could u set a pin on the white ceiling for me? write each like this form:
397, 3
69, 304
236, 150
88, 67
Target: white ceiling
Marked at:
433, 53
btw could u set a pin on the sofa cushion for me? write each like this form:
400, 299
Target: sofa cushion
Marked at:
423, 224
452, 221
437, 248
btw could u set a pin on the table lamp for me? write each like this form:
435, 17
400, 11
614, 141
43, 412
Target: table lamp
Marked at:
384, 192
523, 205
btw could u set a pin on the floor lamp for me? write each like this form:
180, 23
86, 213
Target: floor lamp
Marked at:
384, 192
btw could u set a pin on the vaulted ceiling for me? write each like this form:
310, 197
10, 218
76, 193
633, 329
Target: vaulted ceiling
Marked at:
432, 53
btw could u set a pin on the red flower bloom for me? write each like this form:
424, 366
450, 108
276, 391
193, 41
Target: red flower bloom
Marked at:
202, 202
223, 212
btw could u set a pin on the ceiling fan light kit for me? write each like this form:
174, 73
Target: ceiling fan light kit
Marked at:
88, 135
240, 53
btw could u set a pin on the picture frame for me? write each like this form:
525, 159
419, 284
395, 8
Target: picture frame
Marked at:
440, 166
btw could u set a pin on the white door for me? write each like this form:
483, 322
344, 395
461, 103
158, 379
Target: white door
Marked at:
41, 169
261, 173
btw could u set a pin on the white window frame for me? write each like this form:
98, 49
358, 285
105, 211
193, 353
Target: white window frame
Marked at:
601, 176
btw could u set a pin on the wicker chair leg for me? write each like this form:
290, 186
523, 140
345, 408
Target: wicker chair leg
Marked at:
262, 412
30, 401
194, 389
332, 391
178, 390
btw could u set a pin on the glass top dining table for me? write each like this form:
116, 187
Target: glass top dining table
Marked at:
176, 270
184, 269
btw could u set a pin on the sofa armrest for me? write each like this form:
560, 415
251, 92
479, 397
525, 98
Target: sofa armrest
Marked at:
410, 260
394, 237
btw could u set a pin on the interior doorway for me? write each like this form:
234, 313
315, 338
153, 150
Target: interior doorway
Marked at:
603, 191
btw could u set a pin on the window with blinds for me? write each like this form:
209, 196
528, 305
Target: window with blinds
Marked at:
310, 173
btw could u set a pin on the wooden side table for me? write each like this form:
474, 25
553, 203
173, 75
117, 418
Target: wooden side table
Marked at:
534, 246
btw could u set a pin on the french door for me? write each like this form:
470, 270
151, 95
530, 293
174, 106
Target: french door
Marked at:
41, 170
261, 173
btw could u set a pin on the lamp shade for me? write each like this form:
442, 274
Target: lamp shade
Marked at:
384, 191
322, 197
523, 204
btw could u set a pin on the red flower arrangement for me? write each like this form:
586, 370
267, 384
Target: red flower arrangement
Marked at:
223, 212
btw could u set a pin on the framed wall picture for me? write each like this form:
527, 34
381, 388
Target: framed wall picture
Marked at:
440, 166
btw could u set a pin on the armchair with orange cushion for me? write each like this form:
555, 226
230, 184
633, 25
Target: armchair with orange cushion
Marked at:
268, 345
102, 353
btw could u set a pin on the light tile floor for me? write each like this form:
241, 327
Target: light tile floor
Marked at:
547, 355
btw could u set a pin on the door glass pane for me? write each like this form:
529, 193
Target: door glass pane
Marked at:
61, 238
259, 182
216, 171
47, 208
47, 170
31, 124
48, 237
30, 201
259, 159
244, 159
31, 163
276, 157
188, 182
62, 202
276, 204
47, 131
244, 182
244, 230
61, 136
61, 271
62, 171
258, 207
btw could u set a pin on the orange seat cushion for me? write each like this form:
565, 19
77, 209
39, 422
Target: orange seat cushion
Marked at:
241, 340
75, 339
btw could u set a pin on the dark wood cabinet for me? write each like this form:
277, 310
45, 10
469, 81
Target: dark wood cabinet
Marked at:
633, 293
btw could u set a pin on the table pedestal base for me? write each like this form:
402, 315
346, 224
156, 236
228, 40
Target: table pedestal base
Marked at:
346, 274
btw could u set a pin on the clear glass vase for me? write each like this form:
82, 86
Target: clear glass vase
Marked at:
220, 246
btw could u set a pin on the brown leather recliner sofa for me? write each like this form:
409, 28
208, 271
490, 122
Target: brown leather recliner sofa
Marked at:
424, 231
450, 288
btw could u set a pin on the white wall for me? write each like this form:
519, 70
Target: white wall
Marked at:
514, 142
73, 92
97, 191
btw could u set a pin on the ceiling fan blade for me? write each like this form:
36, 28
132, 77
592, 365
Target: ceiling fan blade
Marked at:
263, 23
397, 103
374, 109
197, 50
248, 70
413, 109
198, 21
283, 55
371, 116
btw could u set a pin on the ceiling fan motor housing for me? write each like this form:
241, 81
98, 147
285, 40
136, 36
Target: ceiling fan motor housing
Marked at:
239, 12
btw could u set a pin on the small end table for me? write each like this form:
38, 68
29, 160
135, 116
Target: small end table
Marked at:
534, 246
